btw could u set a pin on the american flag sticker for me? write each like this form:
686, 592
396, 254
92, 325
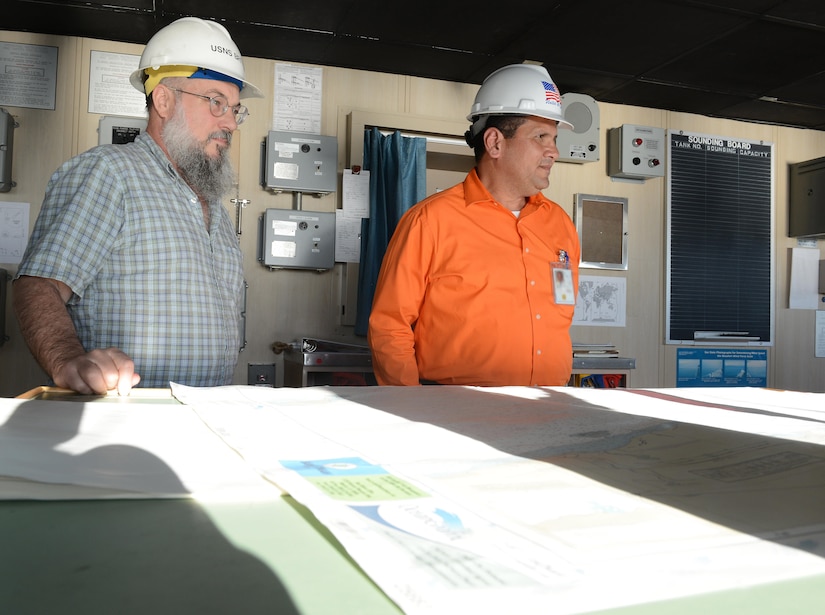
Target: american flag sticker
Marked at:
551, 94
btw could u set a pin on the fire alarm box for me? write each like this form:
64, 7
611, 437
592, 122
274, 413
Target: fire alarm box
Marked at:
636, 152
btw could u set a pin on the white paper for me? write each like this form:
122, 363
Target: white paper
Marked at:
297, 100
14, 231
28, 75
601, 301
446, 523
347, 237
79, 450
283, 249
804, 283
355, 193
820, 334
285, 228
355, 206
110, 92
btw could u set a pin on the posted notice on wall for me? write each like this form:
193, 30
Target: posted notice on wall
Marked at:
355, 200
110, 92
721, 367
803, 290
28, 75
601, 301
14, 231
298, 94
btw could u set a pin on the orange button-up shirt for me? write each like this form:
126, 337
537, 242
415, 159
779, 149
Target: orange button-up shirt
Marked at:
465, 293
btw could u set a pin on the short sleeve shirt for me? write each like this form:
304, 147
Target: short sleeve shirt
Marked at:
127, 235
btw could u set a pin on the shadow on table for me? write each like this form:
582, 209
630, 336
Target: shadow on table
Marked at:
119, 556
769, 487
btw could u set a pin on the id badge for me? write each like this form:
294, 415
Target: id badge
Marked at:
563, 289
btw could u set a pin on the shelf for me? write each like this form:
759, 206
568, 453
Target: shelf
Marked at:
620, 366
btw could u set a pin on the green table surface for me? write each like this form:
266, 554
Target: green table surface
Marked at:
175, 556
179, 556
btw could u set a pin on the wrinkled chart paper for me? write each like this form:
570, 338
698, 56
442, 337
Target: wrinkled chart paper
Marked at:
527, 500
54, 450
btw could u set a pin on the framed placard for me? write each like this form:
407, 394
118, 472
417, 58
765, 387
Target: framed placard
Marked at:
601, 222
29, 75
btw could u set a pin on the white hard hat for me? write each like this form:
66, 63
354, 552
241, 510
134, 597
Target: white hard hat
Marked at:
192, 43
517, 89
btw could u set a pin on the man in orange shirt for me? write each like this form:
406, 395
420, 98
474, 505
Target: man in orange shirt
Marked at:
478, 283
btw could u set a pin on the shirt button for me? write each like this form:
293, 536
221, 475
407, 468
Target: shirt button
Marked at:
538, 351
532, 282
538, 316
526, 250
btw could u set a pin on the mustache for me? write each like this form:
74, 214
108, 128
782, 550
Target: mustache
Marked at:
221, 134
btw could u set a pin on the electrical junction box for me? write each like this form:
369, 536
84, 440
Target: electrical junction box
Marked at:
821, 279
636, 152
299, 162
7, 126
297, 239
581, 144
119, 130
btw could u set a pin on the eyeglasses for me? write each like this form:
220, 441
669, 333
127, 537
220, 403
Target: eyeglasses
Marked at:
218, 105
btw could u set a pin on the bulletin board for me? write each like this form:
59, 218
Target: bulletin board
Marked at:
601, 222
720, 270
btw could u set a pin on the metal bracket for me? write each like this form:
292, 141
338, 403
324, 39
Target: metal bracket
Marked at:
239, 204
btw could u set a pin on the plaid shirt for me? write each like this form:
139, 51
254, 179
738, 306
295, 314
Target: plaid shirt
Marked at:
126, 234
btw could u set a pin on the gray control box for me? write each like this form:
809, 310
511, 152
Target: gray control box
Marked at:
636, 152
299, 162
297, 239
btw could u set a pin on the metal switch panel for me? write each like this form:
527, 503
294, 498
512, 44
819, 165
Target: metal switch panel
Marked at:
298, 239
119, 130
299, 162
636, 152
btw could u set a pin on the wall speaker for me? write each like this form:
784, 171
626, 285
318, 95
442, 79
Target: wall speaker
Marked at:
582, 143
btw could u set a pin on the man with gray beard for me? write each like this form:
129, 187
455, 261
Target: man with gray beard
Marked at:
211, 177
133, 275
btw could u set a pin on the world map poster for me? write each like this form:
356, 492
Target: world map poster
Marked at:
601, 301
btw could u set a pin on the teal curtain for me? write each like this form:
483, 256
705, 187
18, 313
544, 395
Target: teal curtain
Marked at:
398, 180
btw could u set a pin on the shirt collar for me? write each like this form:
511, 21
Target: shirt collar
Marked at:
475, 192
154, 149
159, 155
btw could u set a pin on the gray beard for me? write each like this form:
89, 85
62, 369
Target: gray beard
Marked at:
211, 178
